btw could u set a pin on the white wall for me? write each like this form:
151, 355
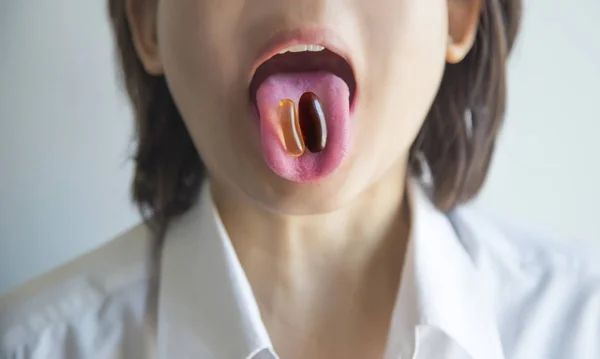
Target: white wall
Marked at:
547, 170
64, 136
65, 131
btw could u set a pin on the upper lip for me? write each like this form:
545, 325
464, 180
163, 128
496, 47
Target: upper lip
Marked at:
315, 36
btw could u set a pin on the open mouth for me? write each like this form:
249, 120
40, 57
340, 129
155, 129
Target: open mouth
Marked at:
288, 75
303, 59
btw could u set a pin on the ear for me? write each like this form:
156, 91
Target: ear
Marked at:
141, 16
463, 21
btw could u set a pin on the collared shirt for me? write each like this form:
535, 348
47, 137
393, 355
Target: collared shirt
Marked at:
470, 288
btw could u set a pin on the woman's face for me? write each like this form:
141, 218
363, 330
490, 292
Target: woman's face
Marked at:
208, 51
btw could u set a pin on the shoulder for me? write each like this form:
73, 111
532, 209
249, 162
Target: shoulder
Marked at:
546, 292
80, 295
493, 238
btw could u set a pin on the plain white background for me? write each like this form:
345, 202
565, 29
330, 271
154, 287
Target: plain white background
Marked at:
66, 129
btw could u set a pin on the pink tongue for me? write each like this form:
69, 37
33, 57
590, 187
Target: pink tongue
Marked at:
334, 95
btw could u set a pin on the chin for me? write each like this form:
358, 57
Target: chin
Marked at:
291, 198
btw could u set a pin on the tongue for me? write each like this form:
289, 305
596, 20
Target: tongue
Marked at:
334, 95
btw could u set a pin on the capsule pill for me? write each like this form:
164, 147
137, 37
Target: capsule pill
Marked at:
290, 128
312, 122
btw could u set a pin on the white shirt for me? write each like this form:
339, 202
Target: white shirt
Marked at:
469, 289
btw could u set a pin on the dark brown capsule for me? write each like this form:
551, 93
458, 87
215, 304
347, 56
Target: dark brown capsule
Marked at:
312, 122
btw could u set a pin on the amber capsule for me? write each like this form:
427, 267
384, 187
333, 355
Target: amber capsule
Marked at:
290, 127
312, 122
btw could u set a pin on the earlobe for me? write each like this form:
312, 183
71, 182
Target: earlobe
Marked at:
141, 17
463, 21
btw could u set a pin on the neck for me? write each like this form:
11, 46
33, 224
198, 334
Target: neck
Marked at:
292, 261
361, 225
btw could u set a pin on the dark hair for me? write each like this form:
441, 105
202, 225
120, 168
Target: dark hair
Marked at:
457, 138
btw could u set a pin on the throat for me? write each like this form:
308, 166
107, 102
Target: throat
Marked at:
332, 307
324, 283
329, 301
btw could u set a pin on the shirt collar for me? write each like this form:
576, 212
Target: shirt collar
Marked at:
441, 289
206, 306
207, 309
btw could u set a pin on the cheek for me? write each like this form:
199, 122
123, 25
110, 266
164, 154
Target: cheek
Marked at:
195, 38
202, 69
401, 75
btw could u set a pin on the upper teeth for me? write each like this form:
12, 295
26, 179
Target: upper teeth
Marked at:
301, 48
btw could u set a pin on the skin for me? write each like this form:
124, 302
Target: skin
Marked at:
324, 259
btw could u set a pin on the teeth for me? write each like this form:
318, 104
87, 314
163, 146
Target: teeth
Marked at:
298, 48
302, 48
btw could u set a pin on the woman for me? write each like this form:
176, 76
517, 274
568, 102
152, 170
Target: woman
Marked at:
332, 230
